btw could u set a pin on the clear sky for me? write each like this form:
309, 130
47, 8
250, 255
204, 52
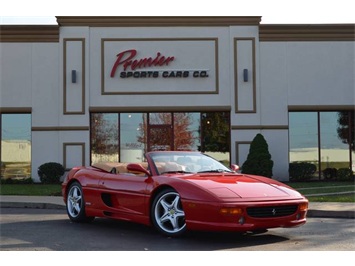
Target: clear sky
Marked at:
272, 11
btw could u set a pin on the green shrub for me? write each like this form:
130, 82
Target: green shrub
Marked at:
330, 173
344, 174
301, 171
50, 173
259, 159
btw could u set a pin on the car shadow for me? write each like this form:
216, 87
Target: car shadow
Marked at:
141, 237
60, 234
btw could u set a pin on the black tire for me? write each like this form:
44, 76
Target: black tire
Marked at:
75, 204
167, 213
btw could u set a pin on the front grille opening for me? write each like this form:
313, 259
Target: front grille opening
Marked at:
271, 211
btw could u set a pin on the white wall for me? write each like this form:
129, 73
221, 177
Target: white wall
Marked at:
287, 74
301, 74
30, 78
16, 74
321, 73
305, 73
171, 100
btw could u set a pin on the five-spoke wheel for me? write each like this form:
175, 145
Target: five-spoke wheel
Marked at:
76, 204
167, 213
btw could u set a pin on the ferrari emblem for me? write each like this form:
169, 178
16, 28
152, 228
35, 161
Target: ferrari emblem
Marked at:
273, 211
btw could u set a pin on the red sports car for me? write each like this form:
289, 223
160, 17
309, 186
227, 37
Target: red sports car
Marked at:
177, 191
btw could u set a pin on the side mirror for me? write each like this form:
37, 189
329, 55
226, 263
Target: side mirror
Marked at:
137, 168
235, 167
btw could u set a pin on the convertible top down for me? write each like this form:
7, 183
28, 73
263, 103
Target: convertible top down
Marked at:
177, 191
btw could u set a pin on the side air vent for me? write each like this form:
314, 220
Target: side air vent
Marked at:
106, 198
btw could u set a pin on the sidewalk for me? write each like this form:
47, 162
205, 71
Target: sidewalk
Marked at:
316, 209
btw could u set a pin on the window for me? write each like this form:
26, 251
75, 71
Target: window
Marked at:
215, 135
352, 143
132, 137
104, 137
334, 149
303, 138
125, 137
187, 131
15, 146
325, 139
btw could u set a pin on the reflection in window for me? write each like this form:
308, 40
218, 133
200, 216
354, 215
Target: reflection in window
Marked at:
104, 138
215, 133
167, 131
160, 118
186, 131
346, 132
303, 138
322, 138
132, 137
334, 151
352, 126
160, 132
160, 138
125, 137
15, 146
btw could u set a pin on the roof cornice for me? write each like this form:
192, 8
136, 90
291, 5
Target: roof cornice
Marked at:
156, 21
313, 32
267, 32
29, 33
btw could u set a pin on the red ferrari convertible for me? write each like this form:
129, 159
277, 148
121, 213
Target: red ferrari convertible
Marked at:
177, 191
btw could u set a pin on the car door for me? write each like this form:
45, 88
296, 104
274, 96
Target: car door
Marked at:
124, 194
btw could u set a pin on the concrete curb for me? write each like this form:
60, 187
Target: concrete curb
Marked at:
31, 205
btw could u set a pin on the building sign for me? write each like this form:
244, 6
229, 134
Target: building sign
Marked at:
131, 67
129, 62
182, 66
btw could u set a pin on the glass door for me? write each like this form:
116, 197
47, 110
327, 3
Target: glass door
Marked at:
160, 132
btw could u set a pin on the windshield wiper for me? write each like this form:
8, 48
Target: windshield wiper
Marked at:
175, 172
215, 171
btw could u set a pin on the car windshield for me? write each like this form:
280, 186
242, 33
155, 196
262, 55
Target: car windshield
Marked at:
186, 162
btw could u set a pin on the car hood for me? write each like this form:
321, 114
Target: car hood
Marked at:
242, 186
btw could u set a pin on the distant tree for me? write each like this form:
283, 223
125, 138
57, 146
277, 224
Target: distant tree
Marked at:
346, 128
104, 135
98, 135
143, 133
183, 138
215, 132
259, 159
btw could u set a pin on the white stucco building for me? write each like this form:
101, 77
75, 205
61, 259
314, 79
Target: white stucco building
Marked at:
91, 84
